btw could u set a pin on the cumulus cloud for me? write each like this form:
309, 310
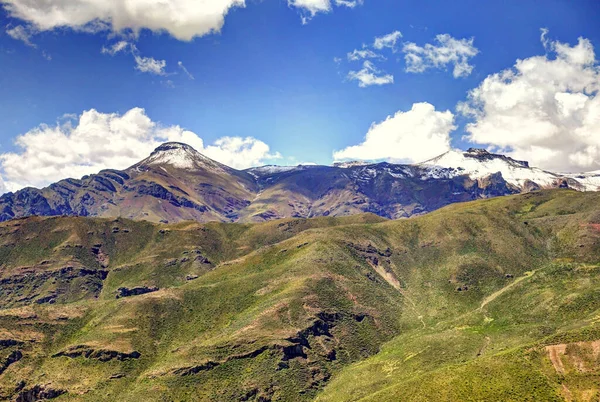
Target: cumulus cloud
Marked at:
240, 153
312, 7
21, 33
370, 75
183, 19
357, 54
150, 65
94, 141
545, 109
3, 187
414, 136
309, 8
388, 40
446, 51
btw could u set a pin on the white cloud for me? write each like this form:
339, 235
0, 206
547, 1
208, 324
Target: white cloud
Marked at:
349, 3
240, 153
150, 65
21, 33
388, 40
96, 141
370, 75
413, 136
546, 109
115, 48
363, 54
143, 64
310, 8
446, 51
183, 19
3, 187
185, 70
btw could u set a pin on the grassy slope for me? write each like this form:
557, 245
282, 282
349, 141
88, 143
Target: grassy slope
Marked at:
252, 300
500, 348
269, 282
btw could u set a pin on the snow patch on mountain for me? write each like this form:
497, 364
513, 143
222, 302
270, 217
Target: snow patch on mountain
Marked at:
350, 164
589, 180
479, 163
269, 170
180, 156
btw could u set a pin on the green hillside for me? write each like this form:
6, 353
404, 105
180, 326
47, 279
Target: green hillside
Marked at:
489, 300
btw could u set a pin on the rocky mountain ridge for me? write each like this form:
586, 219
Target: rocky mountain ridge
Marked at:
178, 183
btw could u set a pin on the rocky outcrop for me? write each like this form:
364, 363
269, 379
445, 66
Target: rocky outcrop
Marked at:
103, 355
140, 290
27, 286
372, 254
38, 393
370, 249
484, 155
209, 365
7, 343
13, 357
295, 347
157, 191
102, 258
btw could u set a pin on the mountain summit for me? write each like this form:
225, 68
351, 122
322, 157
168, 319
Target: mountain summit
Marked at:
180, 156
479, 163
176, 183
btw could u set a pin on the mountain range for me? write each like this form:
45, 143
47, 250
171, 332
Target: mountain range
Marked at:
182, 279
177, 183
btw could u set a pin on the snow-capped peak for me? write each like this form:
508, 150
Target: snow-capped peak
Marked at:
479, 163
350, 164
181, 156
269, 170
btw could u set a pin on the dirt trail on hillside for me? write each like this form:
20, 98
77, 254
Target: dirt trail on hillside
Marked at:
495, 295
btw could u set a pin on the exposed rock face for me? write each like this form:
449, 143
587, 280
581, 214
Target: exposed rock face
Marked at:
69, 281
157, 191
13, 357
313, 337
38, 393
140, 290
102, 355
7, 343
483, 155
102, 258
176, 183
209, 365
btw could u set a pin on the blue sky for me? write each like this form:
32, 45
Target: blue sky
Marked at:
269, 75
